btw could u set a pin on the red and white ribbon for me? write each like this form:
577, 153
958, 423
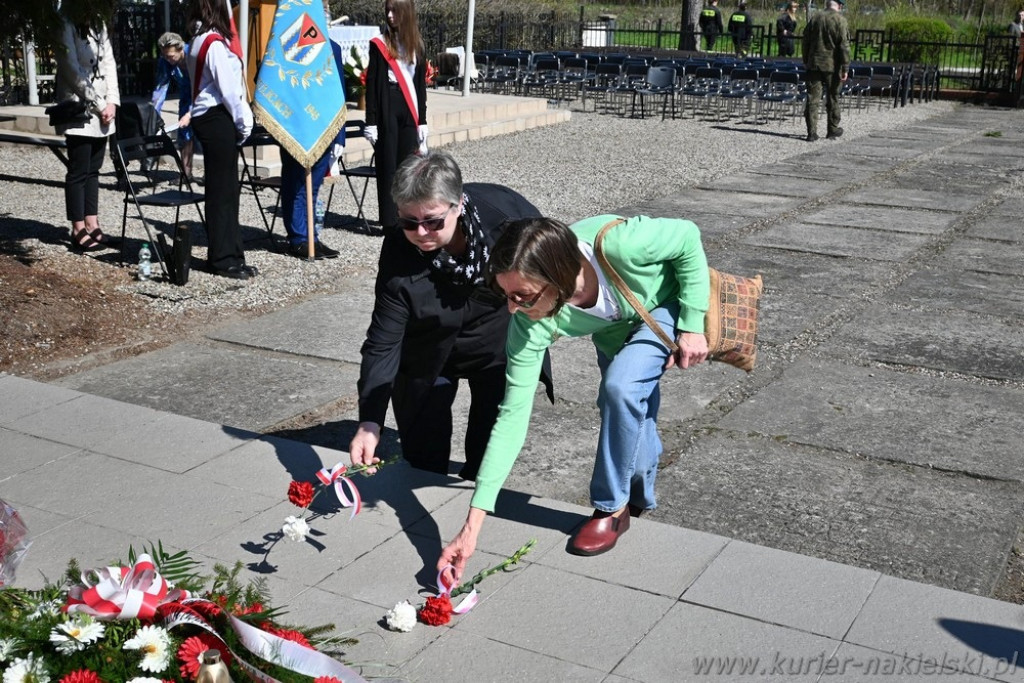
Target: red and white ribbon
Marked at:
333, 476
285, 653
444, 588
122, 592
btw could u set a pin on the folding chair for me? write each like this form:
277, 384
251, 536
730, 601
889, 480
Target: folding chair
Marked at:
148, 150
249, 178
366, 172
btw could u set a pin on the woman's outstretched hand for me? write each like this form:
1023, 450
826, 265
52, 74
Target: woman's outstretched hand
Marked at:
463, 545
693, 349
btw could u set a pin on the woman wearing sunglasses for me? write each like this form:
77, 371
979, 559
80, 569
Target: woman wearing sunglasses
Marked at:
435, 321
554, 284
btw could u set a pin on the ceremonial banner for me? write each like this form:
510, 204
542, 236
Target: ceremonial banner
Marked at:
299, 96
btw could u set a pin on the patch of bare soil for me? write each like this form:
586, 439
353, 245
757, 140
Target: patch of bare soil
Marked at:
54, 322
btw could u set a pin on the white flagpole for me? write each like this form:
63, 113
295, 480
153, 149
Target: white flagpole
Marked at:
467, 68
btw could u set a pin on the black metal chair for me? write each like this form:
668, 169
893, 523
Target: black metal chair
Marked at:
365, 172
149, 150
255, 182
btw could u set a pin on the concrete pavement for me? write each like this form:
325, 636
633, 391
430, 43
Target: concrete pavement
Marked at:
841, 513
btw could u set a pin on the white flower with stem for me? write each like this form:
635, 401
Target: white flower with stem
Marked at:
46, 608
401, 617
8, 646
155, 644
76, 634
295, 528
26, 670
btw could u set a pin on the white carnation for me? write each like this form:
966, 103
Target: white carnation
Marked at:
295, 528
401, 617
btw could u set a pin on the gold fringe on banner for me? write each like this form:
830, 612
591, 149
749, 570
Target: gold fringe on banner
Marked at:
290, 145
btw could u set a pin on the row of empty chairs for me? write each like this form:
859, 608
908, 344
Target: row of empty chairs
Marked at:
719, 86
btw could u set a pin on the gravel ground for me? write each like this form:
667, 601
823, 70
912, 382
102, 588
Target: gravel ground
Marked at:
592, 164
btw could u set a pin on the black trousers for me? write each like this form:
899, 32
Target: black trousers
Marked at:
396, 140
215, 131
425, 422
82, 181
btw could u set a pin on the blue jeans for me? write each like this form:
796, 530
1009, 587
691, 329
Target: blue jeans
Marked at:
293, 194
628, 446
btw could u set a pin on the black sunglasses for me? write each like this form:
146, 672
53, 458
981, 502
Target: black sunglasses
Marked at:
429, 224
526, 304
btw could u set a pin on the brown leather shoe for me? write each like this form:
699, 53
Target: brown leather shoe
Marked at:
599, 534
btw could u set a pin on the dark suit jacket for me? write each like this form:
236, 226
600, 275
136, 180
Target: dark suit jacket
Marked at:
424, 324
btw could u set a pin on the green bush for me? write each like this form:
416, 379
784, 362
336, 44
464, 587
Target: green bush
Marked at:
909, 34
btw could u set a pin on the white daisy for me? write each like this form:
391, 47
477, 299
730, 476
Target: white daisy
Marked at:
7, 648
295, 528
145, 679
47, 608
76, 634
155, 644
27, 670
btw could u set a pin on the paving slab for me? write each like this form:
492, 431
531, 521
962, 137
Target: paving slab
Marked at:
833, 240
32, 452
820, 597
799, 288
963, 426
757, 183
818, 501
954, 341
23, 397
999, 226
952, 178
332, 327
1012, 206
881, 150
855, 165
983, 256
920, 199
694, 643
965, 633
746, 204
852, 662
826, 175
543, 612
883, 218
967, 290
218, 383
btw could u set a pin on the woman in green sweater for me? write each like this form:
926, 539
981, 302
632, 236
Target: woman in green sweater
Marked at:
555, 287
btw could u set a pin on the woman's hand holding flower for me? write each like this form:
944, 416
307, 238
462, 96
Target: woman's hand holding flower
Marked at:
458, 552
364, 445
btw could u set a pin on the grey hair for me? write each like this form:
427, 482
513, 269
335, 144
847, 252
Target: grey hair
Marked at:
170, 40
432, 177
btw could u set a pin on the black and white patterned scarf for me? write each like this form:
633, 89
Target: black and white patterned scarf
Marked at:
467, 269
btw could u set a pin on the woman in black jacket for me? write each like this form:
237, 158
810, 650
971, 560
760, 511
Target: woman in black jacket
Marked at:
785, 29
396, 99
435, 321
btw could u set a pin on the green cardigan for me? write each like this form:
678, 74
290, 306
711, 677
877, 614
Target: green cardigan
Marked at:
659, 259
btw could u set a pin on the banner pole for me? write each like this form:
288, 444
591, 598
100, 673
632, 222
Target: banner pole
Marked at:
310, 228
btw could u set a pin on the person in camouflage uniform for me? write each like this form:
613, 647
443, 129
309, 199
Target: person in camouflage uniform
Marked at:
827, 58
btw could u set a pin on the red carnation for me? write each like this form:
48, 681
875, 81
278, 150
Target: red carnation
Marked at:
190, 654
326, 679
300, 493
81, 676
254, 608
437, 611
286, 634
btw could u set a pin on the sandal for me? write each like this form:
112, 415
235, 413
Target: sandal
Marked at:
83, 240
101, 238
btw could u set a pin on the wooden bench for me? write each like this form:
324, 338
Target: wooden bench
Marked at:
54, 144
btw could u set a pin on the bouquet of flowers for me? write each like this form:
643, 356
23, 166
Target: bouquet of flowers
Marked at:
13, 542
355, 71
152, 621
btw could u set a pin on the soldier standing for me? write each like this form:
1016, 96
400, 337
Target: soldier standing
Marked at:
827, 58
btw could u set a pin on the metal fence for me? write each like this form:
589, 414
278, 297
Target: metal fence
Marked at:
980, 65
